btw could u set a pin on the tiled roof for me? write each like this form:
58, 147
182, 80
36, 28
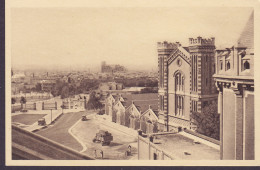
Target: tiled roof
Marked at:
246, 38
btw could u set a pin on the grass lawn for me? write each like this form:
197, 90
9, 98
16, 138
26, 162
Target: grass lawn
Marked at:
27, 119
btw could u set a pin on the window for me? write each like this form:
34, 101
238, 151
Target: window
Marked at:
221, 65
228, 65
179, 82
194, 106
154, 156
246, 65
179, 105
182, 83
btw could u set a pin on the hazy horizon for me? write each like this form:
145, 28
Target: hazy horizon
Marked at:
60, 38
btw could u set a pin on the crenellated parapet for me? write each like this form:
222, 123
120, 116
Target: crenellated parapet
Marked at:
202, 41
166, 45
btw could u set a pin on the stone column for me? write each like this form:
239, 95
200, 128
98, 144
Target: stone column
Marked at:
220, 111
239, 126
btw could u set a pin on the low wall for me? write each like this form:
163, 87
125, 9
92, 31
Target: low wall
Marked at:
27, 145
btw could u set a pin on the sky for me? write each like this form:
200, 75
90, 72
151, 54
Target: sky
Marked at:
84, 37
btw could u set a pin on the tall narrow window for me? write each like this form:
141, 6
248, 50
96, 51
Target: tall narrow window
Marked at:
179, 87
182, 105
182, 83
221, 65
228, 65
246, 65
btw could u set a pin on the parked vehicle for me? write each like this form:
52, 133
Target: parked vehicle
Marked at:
42, 122
103, 137
84, 118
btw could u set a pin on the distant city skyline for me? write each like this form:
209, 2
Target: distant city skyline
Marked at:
81, 38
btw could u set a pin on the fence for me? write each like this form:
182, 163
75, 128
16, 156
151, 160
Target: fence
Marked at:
74, 104
16, 108
31, 96
49, 106
29, 106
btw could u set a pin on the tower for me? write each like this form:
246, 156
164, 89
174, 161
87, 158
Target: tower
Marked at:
164, 51
203, 90
103, 64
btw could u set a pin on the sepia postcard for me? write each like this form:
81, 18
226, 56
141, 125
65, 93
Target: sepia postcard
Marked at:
132, 83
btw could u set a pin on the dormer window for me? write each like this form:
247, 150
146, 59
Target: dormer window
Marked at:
245, 61
246, 65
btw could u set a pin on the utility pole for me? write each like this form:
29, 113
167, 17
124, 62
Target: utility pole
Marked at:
51, 116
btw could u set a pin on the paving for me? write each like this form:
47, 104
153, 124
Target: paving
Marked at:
58, 132
123, 136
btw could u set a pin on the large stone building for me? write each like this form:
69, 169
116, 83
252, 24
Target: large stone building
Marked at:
185, 81
235, 81
111, 68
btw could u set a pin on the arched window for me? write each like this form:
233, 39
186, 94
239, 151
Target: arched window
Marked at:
228, 65
246, 65
179, 82
179, 98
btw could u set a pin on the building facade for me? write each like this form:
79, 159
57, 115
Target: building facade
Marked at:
235, 82
185, 81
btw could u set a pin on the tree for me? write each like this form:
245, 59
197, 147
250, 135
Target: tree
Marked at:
13, 100
23, 100
38, 87
64, 92
93, 102
208, 122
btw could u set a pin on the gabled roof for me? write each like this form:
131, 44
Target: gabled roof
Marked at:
120, 104
246, 38
142, 101
151, 112
134, 109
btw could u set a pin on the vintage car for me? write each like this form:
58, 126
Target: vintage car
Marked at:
42, 122
104, 137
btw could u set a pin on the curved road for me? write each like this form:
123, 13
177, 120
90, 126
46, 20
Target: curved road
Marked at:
59, 131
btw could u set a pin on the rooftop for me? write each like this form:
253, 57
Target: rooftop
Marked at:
246, 38
142, 101
182, 147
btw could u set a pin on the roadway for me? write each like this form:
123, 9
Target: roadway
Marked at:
58, 132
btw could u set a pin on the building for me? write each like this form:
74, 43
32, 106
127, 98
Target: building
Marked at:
136, 111
110, 86
47, 85
235, 82
111, 68
185, 81
185, 145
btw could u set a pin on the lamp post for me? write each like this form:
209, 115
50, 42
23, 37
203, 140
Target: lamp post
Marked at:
51, 116
62, 107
